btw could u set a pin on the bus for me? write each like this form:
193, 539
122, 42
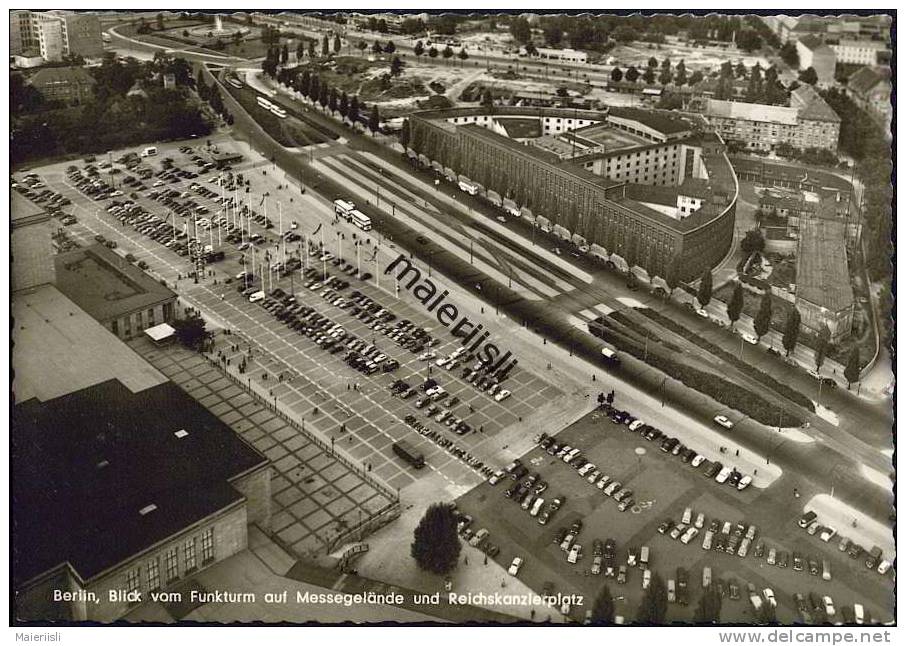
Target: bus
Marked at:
278, 111
609, 356
235, 83
264, 103
343, 208
361, 220
404, 450
468, 187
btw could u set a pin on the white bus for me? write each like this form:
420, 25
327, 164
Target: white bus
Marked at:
264, 103
343, 208
278, 111
468, 187
361, 220
609, 356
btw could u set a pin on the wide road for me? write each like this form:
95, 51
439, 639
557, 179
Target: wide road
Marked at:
824, 460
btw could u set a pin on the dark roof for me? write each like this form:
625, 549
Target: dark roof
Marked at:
663, 122
69, 506
106, 285
521, 128
864, 80
812, 106
821, 273
68, 75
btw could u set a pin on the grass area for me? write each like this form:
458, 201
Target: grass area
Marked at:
718, 388
765, 379
751, 303
398, 88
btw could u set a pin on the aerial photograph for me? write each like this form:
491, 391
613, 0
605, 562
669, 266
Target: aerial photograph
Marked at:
452, 318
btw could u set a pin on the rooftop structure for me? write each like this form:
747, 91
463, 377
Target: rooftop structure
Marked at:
115, 292
824, 295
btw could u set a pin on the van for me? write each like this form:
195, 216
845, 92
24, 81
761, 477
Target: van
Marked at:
257, 296
644, 554
150, 151
825, 570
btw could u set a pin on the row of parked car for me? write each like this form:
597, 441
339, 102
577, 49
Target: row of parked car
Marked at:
404, 333
450, 446
573, 456
712, 470
437, 403
873, 558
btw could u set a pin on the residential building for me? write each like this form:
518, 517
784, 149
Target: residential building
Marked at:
69, 85
30, 244
809, 122
56, 34
119, 295
813, 53
870, 89
860, 52
576, 180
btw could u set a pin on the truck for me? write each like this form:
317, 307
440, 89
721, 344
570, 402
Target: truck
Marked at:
609, 356
408, 453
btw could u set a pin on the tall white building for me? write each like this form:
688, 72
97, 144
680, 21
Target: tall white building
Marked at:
55, 34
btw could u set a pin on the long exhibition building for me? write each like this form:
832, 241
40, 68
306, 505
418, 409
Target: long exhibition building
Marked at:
650, 189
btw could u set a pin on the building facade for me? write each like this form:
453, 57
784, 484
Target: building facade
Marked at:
563, 197
56, 34
871, 91
815, 54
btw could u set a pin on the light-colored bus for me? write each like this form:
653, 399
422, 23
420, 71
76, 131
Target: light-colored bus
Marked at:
264, 103
468, 187
343, 208
278, 111
361, 220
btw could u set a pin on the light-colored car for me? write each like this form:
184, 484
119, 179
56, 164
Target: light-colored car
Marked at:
593, 476
700, 520
567, 542
702, 312
603, 482
723, 475
697, 460
596, 565
691, 533
515, 565
586, 469
646, 579
769, 597
859, 612
536, 507
479, 536
503, 394
687, 516
749, 338
575, 553
496, 477
828, 533
744, 545
724, 421
829, 609
706, 542
671, 591
772, 556
636, 424
884, 566
744, 482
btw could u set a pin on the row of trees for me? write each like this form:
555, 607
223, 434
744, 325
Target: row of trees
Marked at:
313, 87
433, 52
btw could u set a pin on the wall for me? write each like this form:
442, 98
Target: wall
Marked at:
256, 487
32, 251
133, 324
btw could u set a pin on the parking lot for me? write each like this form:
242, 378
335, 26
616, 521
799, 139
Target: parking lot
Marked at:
371, 416
663, 488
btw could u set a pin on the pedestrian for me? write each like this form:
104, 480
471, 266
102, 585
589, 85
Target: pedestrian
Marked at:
755, 472
737, 453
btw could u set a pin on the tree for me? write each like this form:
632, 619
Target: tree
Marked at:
419, 49
753, 241
389, 47
337, 44
603, 611
284, 54
530, 49
708, 609
374, 119
160, 22
653, 607
705, 287
332, 99
632, 74
448, 52
666, 74
553, 34
311, 49
673, 274
681, 77
325, 46
809, 76
377, 48
853, 370
405, 134
344, 104
821, 346
652, 62
433, 52
436, 545
625, 34
396, 66
790, 55
616, 75
191, 332
314, 89
487, 99
463, 55
696, 78
354, 108
734, 307
763, 317
648, 76
520, 30
324, 95
740, 70
791, 331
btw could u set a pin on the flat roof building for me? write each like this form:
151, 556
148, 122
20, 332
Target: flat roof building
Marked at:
824, 295
31, 244
119, 295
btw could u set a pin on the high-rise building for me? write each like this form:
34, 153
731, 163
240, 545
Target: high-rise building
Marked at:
55, 34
